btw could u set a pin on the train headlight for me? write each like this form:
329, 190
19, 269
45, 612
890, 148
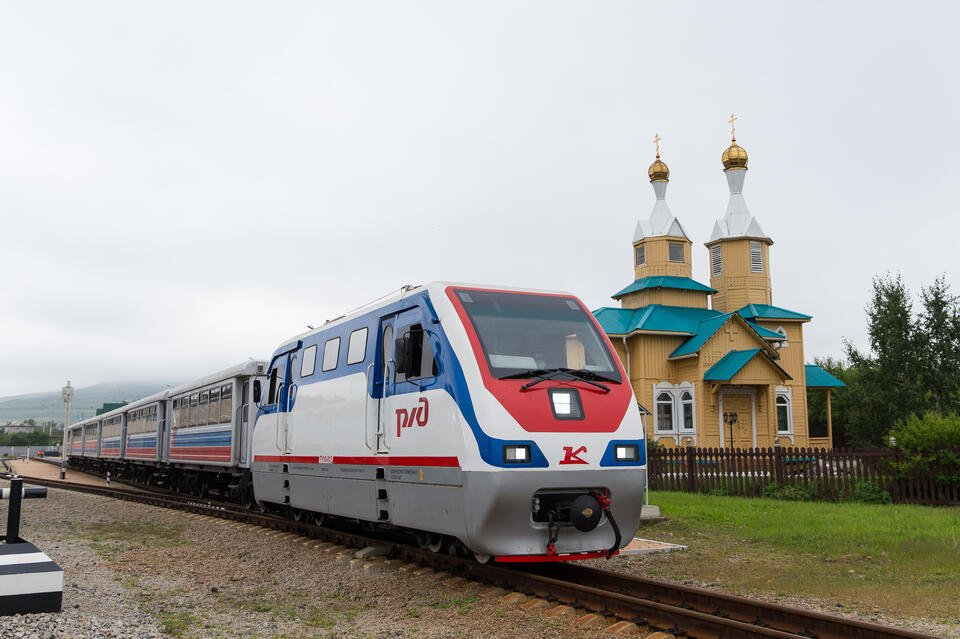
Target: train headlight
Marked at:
516, 454
565, 403
627, 452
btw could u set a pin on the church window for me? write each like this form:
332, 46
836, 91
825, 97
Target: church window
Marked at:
686, 402
641, 255
783, 414
756, 257
783, 332
676, 252
664, 412
716, 264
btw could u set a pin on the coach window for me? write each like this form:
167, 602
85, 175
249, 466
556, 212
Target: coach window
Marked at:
194, 409
331, 353
357, 347
417, 360
213, 414
309, 361
226, 403
204, 403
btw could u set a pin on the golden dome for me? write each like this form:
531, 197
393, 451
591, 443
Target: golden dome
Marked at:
735, 156
658, 171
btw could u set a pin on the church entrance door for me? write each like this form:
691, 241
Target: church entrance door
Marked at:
744, 429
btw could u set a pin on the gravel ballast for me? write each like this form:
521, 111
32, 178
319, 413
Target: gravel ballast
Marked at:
133, 570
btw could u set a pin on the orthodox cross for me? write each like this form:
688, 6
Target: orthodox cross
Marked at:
733, 127
731, 330
656, 141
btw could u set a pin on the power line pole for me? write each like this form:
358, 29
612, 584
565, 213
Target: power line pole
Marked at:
67, 398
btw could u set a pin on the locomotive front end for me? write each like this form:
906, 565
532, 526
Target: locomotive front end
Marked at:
559, 472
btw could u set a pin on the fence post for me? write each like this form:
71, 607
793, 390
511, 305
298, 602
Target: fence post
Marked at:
691, 470
778, 463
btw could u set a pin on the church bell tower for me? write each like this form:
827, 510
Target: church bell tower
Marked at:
738, 247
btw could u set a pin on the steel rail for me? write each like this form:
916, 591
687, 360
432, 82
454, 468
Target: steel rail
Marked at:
681, 610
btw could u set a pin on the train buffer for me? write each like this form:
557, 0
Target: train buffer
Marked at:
29, 581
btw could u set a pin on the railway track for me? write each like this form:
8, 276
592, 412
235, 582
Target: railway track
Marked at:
654, 605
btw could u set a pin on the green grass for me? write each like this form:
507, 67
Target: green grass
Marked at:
111, 539
176, 624
899, 559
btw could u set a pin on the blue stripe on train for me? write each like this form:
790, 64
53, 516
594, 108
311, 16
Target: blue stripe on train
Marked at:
188, 439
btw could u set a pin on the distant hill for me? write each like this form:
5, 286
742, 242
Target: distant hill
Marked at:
49, 406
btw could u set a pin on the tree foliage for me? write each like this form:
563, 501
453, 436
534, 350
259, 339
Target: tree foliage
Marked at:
35, 438
931, 447
912, 366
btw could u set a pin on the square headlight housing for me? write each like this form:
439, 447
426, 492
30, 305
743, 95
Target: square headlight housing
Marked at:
626, 452
565, 403
516, 454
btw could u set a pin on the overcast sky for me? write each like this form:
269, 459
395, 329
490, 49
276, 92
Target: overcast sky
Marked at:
184, 185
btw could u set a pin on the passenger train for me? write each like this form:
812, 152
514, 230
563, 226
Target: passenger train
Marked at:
497, 422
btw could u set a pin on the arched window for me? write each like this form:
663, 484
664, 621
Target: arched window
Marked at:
783, 414
686, 403
664, 412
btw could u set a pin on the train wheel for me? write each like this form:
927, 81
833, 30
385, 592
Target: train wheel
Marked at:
430, 541
296, 514
318, 519
368, 526
480, 557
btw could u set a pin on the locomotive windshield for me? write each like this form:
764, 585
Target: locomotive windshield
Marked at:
524, 334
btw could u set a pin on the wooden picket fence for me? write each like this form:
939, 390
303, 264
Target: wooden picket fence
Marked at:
829, 474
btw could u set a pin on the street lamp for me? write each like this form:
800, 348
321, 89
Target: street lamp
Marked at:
67, 398
730, 419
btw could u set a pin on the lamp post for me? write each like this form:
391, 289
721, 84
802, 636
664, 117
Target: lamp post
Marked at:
67, 398
730, 419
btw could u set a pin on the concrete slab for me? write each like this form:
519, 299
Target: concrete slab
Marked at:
640, 546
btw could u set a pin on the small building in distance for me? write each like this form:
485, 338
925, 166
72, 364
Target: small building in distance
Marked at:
12, 428
717, 365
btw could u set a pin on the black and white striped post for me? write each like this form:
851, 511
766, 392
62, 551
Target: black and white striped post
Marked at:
29, 581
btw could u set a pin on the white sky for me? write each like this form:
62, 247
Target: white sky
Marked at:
184, 185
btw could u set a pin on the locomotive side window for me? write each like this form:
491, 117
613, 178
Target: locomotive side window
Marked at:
414, 355
272, 391
357, 347
309, 363
331, 353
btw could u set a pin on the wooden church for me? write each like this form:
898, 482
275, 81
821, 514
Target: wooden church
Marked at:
716, 365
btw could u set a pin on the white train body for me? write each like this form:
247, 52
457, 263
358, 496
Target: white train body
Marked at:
458, 410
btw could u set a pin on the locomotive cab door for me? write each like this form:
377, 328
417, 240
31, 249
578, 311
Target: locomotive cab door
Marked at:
381, 371
393, 389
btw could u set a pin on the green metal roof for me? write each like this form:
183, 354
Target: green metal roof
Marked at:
683, 320
664, 281
817, 377
765, 311
766, 333
729, 365
734, 361
705, 331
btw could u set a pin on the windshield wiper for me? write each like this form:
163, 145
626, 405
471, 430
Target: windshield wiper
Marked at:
543, 375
